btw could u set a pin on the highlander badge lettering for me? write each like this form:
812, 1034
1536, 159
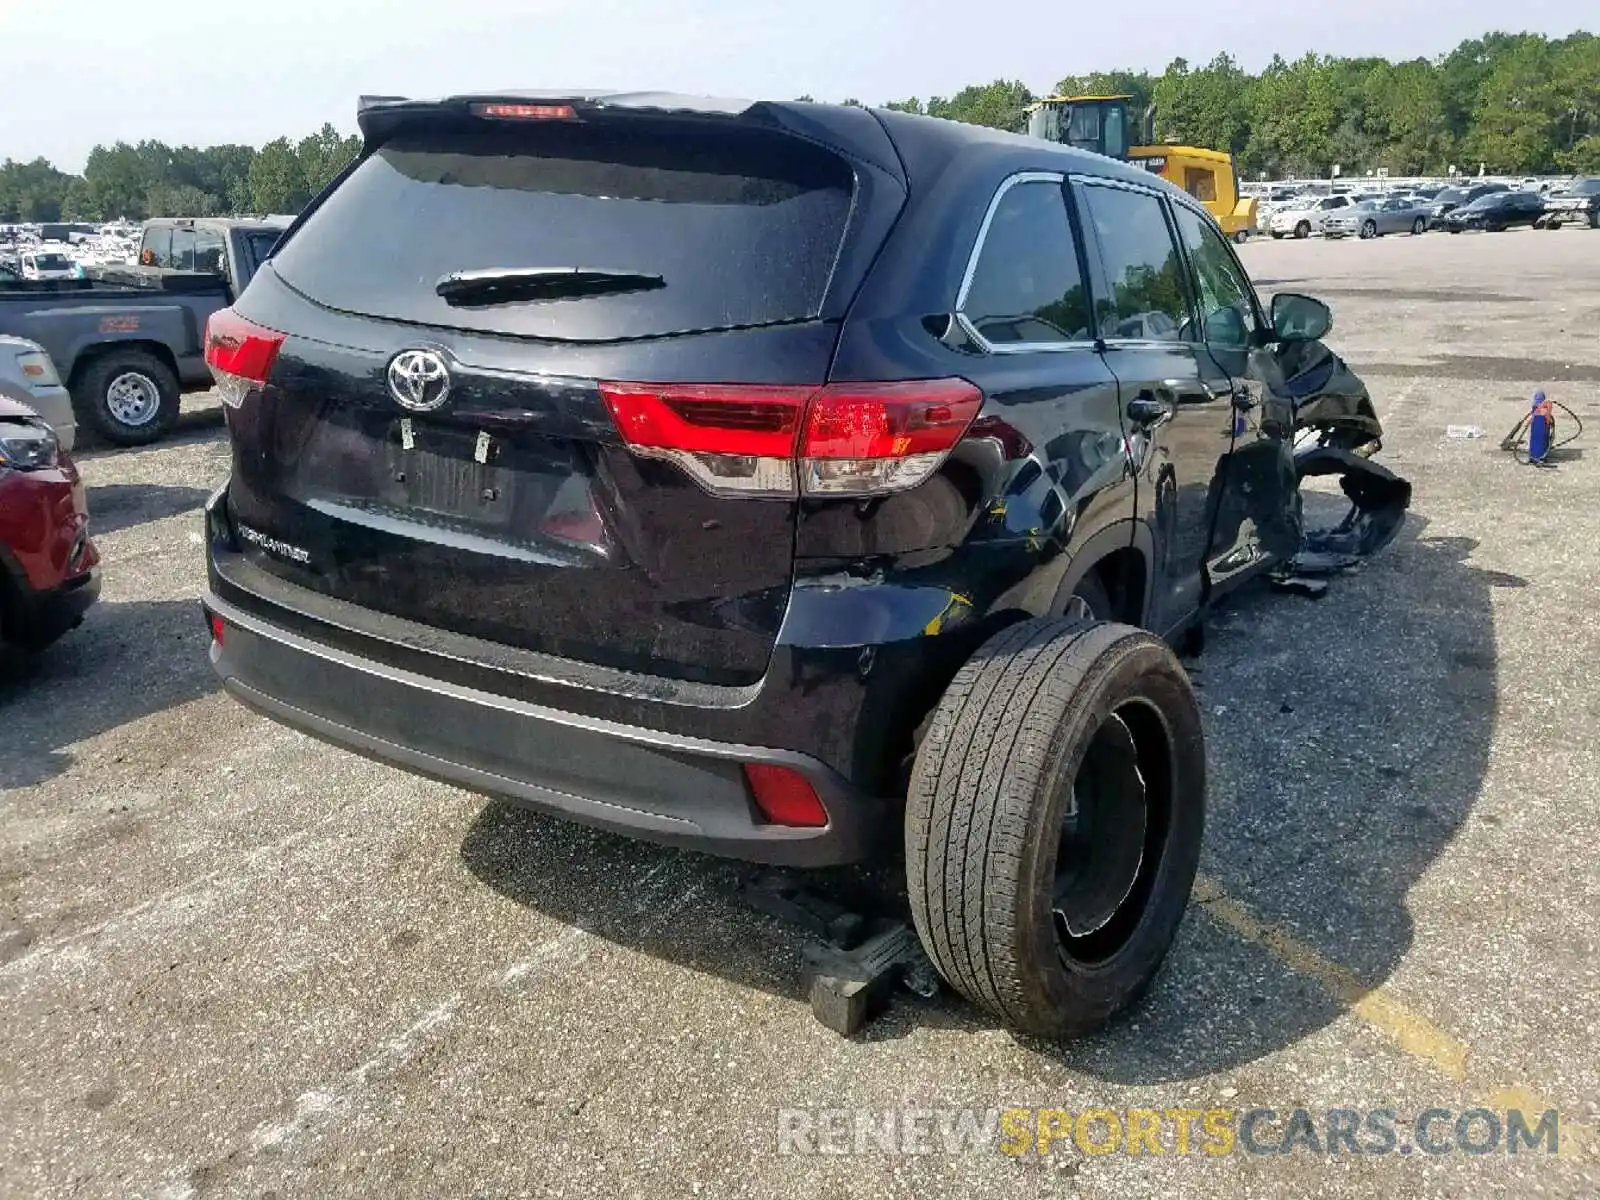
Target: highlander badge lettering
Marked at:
419, 380
273, 546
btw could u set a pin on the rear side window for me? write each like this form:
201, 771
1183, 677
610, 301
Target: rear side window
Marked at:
742, 226
1148, 300
261, 244
1026, 283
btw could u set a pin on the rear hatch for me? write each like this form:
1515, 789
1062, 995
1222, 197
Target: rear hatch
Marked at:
435, 440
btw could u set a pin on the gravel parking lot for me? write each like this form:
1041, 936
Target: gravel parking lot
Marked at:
234, 960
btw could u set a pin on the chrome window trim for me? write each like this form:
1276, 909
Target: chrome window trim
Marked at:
1060, 180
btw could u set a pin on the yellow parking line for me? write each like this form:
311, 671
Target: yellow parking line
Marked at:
1408, 1029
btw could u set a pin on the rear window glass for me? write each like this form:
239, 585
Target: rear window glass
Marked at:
743, 227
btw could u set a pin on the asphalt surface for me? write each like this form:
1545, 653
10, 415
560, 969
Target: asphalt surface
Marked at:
236, 961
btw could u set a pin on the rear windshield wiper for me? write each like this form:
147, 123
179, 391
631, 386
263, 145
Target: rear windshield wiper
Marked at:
507, 285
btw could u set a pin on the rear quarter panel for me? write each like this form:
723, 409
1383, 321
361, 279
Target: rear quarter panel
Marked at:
905, 588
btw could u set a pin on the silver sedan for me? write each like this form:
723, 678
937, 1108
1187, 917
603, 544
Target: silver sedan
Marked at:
28, 376
1374, 218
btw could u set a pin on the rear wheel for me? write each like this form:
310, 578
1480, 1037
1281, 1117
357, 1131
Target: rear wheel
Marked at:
1090, 601
1241, 236
1054, 820
128, 397
1419, 227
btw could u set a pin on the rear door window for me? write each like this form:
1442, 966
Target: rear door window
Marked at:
1149, 299
741, 226
1026, 285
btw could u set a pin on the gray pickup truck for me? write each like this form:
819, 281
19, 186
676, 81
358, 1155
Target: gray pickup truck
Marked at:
129, 341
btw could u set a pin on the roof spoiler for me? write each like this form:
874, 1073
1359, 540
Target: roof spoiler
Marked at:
855, 131
377, 116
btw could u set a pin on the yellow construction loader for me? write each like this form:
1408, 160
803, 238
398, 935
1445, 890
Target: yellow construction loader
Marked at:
1101, 124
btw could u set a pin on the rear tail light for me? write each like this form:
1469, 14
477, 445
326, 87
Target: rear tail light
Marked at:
862, 439
217, 629
240, 354
785, 797
845, 439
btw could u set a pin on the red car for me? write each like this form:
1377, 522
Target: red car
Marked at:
49, 569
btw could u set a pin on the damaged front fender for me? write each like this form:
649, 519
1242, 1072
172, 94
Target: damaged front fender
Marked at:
1316, 418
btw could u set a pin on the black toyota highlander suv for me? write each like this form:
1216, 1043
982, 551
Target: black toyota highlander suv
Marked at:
778, 480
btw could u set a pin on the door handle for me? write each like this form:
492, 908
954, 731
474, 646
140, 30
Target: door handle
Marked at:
1145, 409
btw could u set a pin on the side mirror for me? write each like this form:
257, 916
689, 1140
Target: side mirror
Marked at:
1297, 318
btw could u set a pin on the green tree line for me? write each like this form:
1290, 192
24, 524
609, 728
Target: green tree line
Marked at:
152, 179
1514, 102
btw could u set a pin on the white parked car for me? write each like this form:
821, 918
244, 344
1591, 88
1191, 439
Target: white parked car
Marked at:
28, 376
1304, 219
49, 264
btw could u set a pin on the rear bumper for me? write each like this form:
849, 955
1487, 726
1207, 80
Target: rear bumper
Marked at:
661, 787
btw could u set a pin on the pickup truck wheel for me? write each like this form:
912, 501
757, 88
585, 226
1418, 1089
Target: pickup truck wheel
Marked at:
129, 397
1053, 822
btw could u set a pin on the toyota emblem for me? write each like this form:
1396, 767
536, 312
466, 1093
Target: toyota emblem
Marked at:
419, 380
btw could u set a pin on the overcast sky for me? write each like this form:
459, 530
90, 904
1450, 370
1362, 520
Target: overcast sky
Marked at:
77, 72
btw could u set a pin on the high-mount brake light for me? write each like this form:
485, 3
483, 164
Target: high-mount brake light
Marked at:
845, 439
525, 112
240, 354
